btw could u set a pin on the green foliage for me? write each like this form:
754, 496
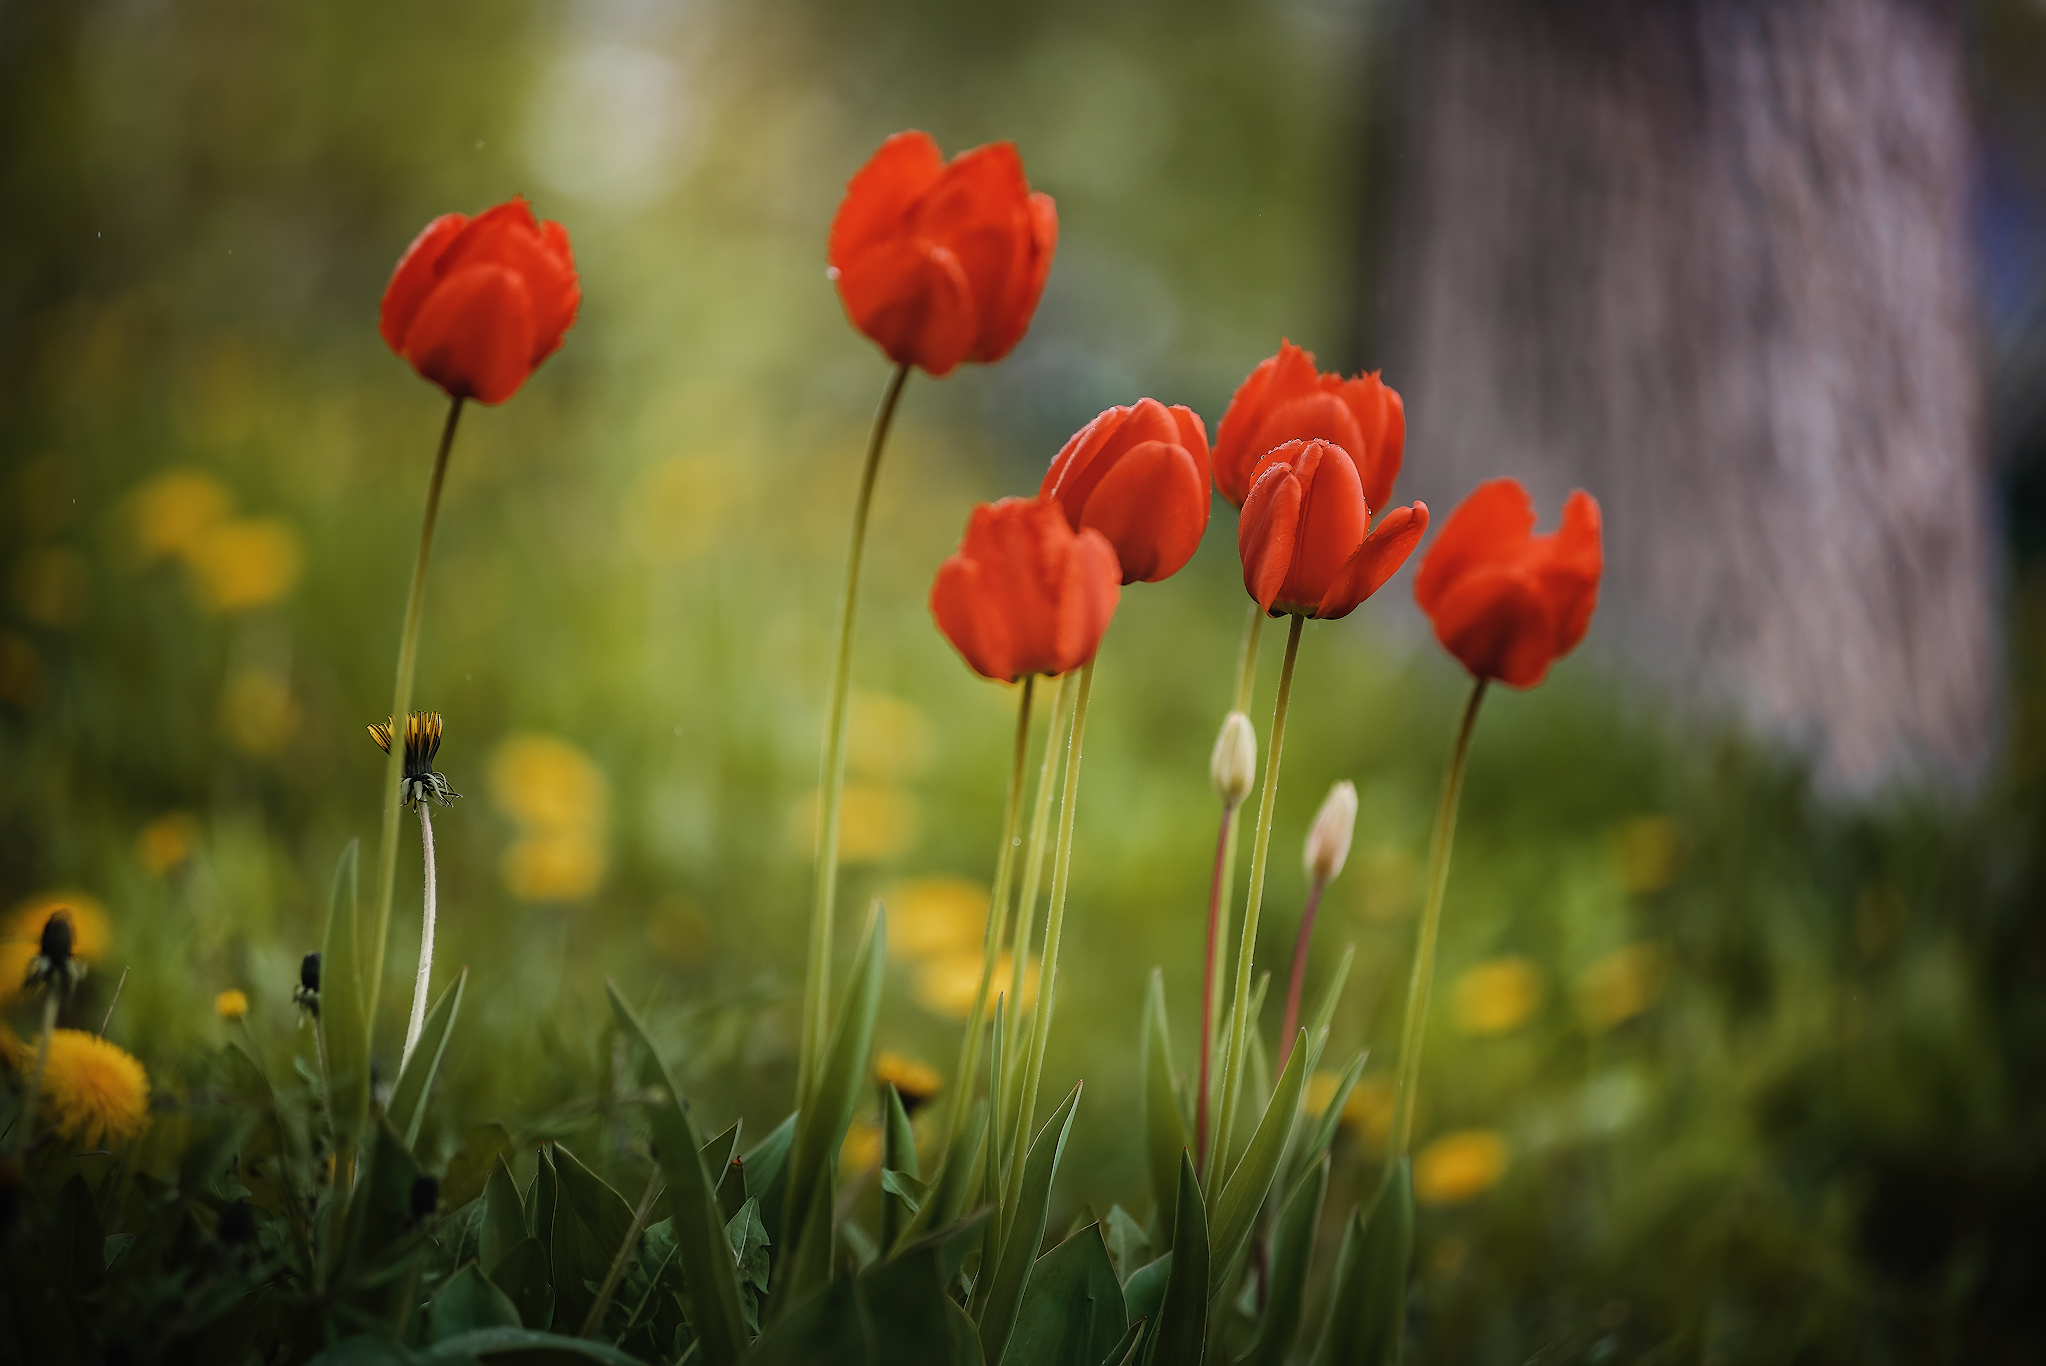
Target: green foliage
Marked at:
1181, 1335
1017, 1258
1073, 1312
415, 1080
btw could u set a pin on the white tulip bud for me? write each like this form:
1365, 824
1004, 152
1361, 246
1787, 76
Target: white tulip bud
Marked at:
1328, 842
1233, 765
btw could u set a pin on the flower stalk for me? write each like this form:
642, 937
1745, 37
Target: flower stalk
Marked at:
415, 1024
817, 975
1232, 768
401, 702
1003, 1112
1328, 848
1239, 1014
1423, 980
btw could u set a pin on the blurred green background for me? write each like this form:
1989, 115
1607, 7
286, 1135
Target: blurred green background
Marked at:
1725, 1072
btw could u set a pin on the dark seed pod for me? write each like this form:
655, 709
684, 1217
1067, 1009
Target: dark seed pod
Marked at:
57, 937
309, 972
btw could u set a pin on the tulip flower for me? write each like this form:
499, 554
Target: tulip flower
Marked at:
1286, 399
477, 303
1505, 602
1303, 533
1026, 593
1139, 476
940, 262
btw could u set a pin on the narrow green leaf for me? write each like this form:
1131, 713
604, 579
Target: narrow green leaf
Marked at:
836, 1089
381, 1210
1165, 1135
545, 1196
344, 1031
1292, 1251
590, 1224
1368, 1296
952, 1243
907, 1189
701, 1245
718, 1151
1182, 1333
1245, 1191
955, 1176
1124, 1353
898, 1159
1331, 993
808, 1265
469, 1301
470, 1169
1073, 1313
1144, 1292
905, 1307
504, 1217
828, 1329
1011, 1280
767, 1168
1324, 1133
746, 1235
522, 1275
1128, 1245
415, 1079
522, 1347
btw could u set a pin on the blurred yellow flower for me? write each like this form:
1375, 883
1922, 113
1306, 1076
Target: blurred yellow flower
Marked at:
90, 935
875, 824
246, 563
887, 739
1620, 986
1368, 1111
679, 932
682, 507
94, 1091
1459, 1167
51, 585
547, 783
1647, 851
944, 984
172, 510
231, 1005
1496, 996
916, 1082
862, 1151
931, 916
166, 842
257, 714
1387, 882
554, 865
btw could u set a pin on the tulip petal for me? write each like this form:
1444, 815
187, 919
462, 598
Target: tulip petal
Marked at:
1378, 559
1382, 417
509, 235
881, 194
1152, 505
913, 299
1089, 587
1333, 521
1317, 415
1234, 461
1003, 326
1497, 620
1571, 576
1266, 530
415, 278
474, 336
981, 637
1490, 526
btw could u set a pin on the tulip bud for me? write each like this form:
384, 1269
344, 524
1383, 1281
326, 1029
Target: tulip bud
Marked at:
1328, 842
1234, 762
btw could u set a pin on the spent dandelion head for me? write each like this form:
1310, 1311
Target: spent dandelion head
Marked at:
55, 967
422, 742
95, 1091
306, 995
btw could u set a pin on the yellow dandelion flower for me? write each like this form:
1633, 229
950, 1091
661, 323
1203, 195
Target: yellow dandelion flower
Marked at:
1619, 986
174, 509
166, 842
944, 985
231, 1005
93, 1091
862, 1150
23, 933
246, 563
1459, 1167
932, 916
916, 1082
875, 823
545, 783
1497, 996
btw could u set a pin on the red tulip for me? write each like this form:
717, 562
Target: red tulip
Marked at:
1139, 476
477, 303
1504, 601
1026, 593
940, 262
1286, 399
1302, 533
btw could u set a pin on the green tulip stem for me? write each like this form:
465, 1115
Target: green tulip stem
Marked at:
1239, 1011
1246, 666
1423, 982
1002, 1111
997, 917
401, 704
1222, 893
1048, 974
831, 784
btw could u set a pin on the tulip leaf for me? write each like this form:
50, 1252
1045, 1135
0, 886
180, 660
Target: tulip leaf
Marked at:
1144, 1291
893, 1314
470, 1169
1127, 1347
522, 1275
1332, 1114
469, 1301
522, 1347
343, 1026
1011, 1278
504, 1216
381, 1209
542, 1199
415, 1078
1292, 1251
1128, 1245
590, 1224
1243, 1194
1165, 1136
954, 1178
1368, 1294
898, 1159
1073, 1313
767, 1169
1181, 1338
840, 1080
1324, 1010
701, 1243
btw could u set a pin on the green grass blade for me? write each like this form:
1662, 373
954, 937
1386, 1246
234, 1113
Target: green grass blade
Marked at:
415, 1080
1182, 1335
836, 1089
898, 1155
344, 1029
1026, 1231
1073, 1313
1245, 1191
504, 1217
1368, 1297
1292, 1252
1165, 1136
1331, 994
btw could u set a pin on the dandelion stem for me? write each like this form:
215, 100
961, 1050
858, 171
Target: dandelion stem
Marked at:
1002, 1116
1286, 1030
416, 1024
1239, 1013
1048, 974
997, 916
1211, 986
35, 1075
401, 703
817, 975
1409, 1070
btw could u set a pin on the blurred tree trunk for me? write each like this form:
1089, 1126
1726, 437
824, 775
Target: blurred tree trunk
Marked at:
1710, 259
